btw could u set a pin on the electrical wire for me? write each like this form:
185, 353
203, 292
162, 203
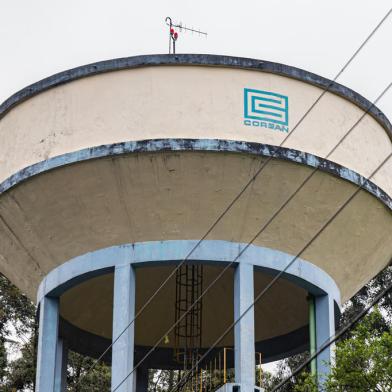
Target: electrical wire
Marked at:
243, 190
332, 339
285, 203
278, 276
263, 228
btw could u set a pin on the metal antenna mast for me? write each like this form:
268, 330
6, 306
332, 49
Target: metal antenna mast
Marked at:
173, 35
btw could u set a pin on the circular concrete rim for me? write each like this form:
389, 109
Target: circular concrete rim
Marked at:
79, 269
211, 145
201, 60
303, 273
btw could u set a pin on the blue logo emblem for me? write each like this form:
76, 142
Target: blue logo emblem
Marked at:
266, 109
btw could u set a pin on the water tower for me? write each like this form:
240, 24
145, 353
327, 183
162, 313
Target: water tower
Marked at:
111, 173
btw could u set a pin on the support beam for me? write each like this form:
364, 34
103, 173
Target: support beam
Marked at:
60, 380
47, 344
123, 314
325, 328
312, 334
244, 330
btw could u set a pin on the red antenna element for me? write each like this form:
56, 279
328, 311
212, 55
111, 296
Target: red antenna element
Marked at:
173, 35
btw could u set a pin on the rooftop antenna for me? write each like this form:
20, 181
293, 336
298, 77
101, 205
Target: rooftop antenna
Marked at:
173, 34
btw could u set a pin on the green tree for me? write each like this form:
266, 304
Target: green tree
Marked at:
3, 360
364, 360
80, 379
21, 372
18, 312
365, 350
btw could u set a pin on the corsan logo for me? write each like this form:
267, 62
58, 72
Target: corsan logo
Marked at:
266, 109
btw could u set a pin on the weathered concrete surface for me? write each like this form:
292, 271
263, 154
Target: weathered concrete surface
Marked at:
177, 195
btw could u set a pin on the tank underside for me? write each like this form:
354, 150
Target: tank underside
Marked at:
174, 195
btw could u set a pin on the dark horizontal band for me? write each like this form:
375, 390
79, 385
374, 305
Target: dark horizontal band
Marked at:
273, 349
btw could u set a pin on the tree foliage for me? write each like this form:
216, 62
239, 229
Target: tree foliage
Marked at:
80, 379
364, 360
364, 354
17, 323
16, 317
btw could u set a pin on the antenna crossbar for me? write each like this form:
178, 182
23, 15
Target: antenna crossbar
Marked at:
173, 35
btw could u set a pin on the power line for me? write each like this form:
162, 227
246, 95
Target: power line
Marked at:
332, 339
277, 277
259, 232
243, 190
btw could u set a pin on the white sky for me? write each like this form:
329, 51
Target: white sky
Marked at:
41, 37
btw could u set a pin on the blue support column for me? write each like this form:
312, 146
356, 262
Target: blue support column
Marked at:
325, 328
244, 330
60, 383
123, 314
47, 344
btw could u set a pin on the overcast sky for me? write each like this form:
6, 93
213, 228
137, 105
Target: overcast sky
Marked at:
42, 37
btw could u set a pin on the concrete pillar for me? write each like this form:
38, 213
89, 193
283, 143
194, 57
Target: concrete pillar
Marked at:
60, 379
325, 328
312, 334
244, 330
123, 314
47, 344
142, 379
